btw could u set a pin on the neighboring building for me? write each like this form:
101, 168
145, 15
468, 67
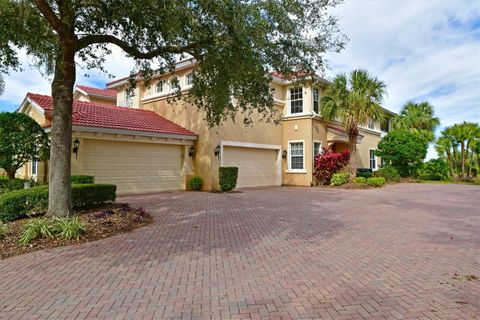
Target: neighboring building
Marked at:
95, 95
144, 151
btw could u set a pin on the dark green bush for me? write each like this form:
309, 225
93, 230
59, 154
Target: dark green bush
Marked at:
20, 203
228, 178
7, 185
434, 177
83, 179
376, 181
338, 179
196, 183
388, 172
360, 180
364, 174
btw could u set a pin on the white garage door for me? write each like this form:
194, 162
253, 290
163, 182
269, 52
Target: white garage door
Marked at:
133, 167
256, 167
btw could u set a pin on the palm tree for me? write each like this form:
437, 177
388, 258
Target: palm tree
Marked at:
353, 100
419, 118
445, 146
2, 84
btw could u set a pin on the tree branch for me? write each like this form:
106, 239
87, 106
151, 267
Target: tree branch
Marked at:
53, 20
133, 51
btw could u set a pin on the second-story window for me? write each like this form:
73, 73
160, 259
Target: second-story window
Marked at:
189, 79
315, 100
174, 84
296, 100
385, 125
371, 124
159, 87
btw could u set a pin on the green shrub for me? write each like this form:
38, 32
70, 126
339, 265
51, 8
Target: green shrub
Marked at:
83, 179
376, 181
364, 174
388, 172
68, 228
228, 178
360, 180
18, 204
338, 179
7, 185
35, 228
4, 229
91, 195
196, 183
433, 177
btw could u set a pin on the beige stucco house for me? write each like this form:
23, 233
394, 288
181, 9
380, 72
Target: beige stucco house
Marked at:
148, 143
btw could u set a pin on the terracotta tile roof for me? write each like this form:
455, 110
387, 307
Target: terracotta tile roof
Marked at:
99, 92
87, 114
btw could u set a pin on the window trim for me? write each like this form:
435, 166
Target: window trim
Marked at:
159, 85
290, 101
318, 100
32, 166
289, 160
375, 158
313, 147
188, 85
372, 122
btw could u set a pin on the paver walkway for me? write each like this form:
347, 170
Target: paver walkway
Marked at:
400, 252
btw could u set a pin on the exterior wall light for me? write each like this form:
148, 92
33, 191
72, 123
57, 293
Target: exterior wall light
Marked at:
284, 154
76, 146
191, 151
217, 151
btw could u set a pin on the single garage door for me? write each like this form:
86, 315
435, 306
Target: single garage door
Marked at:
134, 167
256, 167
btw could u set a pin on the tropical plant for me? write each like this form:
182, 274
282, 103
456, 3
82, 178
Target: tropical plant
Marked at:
234, 43
68, 228
459, 146
339, 179
388, 172
418, 118
39, 227
403, 150
21, 140
438, 167
353, 100
4, 229
196, 183
327, 163
2, 84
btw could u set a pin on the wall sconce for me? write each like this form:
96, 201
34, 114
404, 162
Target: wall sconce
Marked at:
284, 154
76, 146
191, 151
217, 151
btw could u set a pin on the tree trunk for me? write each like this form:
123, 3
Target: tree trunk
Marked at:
59, 197
11, 174
352, 164
462, 147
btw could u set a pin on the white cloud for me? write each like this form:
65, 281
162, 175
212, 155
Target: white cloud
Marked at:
423, 50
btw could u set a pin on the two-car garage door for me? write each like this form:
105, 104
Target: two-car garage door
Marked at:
134, 167
256, 166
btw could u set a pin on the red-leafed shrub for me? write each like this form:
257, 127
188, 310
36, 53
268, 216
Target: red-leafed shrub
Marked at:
327, 163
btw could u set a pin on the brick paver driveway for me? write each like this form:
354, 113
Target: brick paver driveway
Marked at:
399, 252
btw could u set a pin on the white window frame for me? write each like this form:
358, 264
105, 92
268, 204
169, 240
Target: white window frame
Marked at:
172, 87
371, 122
313, 147
318, 100
289, 168
290, 101
34, 164
187, 77
375, 158
157, 86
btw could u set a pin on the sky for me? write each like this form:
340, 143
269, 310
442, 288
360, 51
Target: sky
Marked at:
424, 50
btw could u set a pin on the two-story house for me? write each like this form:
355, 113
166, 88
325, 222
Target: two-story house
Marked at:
148, 143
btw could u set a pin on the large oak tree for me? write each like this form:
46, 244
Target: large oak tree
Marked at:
236, 43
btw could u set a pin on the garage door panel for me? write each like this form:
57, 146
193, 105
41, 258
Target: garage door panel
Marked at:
134, 167
256, 167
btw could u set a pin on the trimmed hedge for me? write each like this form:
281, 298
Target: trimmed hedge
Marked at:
82, 179
376, 181
196, 183
360, 180
434, 177
227, 177
365, 175
7, 185
21, 203
388, 172
338, 179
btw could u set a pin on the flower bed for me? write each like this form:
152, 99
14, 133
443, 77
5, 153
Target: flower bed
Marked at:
99, 224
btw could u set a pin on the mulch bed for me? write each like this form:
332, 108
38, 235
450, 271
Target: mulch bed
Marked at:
100, 223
